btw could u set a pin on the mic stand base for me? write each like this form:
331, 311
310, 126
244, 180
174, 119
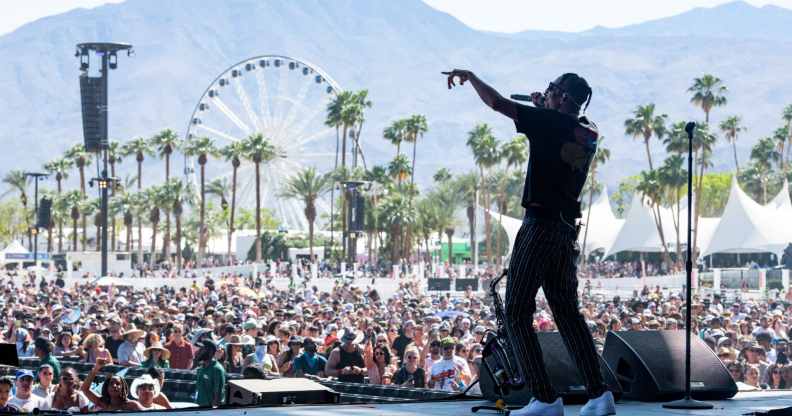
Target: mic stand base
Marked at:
688, 403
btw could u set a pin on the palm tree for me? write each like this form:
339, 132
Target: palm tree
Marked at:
703, 143
81, 159
166, 142
442, 175
731, 127
485, 152
114, 157
415, 128
763, 155
398, 169
646, 124
258, 150
651, 188
154, 200
308, 186
467, 186
673, 177
354, 116
234, 153
139, 148
780, 136
176, 196
60, 212
201, 147
395, 134
18, 181
221, 189
787, 117
600, 157
72, 200
88, 207
708, 92
398, 213
60, 169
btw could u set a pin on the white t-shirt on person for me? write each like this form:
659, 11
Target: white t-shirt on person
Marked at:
453, 369
27, 405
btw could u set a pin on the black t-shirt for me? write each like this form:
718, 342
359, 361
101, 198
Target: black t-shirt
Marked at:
112, 346
400, 345
405, 379
561, 149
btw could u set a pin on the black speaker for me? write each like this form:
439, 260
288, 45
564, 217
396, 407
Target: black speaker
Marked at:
650, 366
44, 213
438, 284
563, 372
93, 95
462, 284
357, 215
279, 392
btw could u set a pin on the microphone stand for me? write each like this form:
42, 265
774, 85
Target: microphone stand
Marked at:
688, 402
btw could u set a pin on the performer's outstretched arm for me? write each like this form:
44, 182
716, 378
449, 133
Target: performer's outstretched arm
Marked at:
489, 95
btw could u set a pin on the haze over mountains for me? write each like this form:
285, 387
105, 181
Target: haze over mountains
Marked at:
396, 50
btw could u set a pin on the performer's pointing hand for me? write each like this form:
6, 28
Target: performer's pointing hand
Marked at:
462, 74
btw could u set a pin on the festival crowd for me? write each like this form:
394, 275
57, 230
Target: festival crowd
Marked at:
234, 325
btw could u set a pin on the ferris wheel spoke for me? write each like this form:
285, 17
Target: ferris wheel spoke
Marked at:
246, 104
266, 114
295, 104
218, 133
305, 122
230, 114
298, 142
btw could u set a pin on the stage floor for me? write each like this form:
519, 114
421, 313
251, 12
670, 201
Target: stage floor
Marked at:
743, 403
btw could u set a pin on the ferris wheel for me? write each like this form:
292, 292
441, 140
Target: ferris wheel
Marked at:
285, 99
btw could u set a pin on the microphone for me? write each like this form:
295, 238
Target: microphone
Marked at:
528, 98
521, 97
689, 128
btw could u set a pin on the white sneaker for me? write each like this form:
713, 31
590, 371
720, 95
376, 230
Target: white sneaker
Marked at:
601, 406
537, 408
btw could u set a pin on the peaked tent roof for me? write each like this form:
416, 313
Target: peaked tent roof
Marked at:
15, 247
603, 226
510, 224
745, 227
639, 232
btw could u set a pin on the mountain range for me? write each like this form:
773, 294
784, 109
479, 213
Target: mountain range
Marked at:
396, 50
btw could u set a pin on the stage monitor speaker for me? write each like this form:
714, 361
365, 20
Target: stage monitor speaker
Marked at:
357, 212
563, 372
438, 284
44, 213
279, 392
650, 366
461, 284
94, 112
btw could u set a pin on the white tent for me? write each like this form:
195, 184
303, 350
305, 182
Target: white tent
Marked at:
510, 224
15, 247
602, 225
746, 226
780, 209
639, 232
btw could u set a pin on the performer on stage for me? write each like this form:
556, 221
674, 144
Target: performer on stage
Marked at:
562, 144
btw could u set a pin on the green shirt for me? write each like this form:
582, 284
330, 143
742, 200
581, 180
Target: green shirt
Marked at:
56, 368
210, 381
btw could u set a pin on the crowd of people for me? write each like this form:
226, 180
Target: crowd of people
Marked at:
244, 325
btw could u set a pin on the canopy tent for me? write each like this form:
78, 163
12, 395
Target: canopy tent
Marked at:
15, 247
639, 232
747, 227
510, 224
601, 227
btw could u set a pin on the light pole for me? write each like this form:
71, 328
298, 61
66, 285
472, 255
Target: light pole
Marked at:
98, 114
34, 230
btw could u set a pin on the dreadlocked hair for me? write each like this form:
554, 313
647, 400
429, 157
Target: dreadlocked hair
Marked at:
105, 398
578, 90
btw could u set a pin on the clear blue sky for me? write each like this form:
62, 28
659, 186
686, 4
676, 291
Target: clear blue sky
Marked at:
493, 15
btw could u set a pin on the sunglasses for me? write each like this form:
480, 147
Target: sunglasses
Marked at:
412, 357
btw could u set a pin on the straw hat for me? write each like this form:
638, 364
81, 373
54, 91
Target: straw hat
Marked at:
157, 346
235, 340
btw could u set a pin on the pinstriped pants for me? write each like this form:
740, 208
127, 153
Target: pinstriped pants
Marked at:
544, 255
